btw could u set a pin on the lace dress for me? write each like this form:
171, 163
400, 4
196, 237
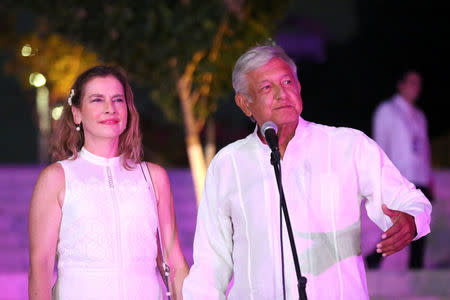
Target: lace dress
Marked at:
107, 243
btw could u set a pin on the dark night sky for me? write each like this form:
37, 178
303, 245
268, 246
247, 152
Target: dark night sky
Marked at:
366, 44
362, 66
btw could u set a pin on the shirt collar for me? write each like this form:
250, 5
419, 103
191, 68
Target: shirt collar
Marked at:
403, 104
98, 160
300, 126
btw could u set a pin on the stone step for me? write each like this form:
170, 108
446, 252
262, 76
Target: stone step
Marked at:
424, 284
382, 285
17, 260
14, 286
13, 241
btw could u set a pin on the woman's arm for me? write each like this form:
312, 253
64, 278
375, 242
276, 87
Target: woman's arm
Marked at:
169, 234
43, 227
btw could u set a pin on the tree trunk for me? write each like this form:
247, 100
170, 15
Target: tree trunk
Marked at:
194, 147
210, 148
197, 164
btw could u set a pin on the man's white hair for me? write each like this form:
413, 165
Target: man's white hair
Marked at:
254, 58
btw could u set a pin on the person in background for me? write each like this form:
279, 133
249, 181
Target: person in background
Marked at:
327, 171
400, 128
99, 207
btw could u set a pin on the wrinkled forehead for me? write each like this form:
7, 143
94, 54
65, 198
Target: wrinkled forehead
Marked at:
273, 69
269, 62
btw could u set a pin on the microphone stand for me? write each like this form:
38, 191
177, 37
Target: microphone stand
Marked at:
275, 157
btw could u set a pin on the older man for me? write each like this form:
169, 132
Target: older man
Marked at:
327, 171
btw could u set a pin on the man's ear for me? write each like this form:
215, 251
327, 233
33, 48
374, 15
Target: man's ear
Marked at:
76, 114
299, 86
243, 104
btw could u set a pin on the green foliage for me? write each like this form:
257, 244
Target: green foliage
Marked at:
155, 40
58, 59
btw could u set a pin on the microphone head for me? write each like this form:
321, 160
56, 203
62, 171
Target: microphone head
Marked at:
268, 125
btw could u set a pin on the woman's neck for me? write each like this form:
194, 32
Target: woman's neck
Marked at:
105, 148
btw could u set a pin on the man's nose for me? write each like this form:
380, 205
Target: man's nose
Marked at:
279, 93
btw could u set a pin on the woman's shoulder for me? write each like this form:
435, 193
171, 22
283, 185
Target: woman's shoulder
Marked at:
160, 180
158, 173
51, 180
53, 172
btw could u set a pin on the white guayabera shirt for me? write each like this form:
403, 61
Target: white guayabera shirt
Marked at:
327, 171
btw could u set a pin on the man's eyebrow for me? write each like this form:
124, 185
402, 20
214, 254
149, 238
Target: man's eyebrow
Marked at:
283, 76
263, 81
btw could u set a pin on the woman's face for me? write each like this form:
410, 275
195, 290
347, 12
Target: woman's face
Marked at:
103, 109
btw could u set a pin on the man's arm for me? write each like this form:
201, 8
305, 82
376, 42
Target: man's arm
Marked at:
393, 203
213, 266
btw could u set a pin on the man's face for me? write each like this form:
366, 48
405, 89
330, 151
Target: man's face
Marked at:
275, 91
410, 87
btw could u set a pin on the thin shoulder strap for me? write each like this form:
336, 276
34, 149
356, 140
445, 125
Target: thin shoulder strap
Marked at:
166, 267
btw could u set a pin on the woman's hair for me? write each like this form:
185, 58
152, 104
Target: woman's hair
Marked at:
252, 59
67, 141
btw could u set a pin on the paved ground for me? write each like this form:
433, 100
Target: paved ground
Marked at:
391, 281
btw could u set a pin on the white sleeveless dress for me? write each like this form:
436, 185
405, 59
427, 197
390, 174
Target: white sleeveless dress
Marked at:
107, 243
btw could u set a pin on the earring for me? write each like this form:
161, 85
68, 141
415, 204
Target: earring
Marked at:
78, 127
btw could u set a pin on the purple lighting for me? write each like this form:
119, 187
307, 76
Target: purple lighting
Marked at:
390, 281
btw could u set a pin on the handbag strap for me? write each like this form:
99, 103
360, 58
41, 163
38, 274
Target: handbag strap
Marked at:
165, 265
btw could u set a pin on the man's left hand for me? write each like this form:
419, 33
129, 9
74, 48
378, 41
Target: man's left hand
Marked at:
401, 233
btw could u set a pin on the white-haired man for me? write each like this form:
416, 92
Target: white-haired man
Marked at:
327, 171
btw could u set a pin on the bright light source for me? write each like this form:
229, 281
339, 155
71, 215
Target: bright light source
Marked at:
57, 112
37, 79
26, 50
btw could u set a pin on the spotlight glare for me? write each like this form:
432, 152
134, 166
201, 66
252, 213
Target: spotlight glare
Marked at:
37, 79
26, 50
57, 112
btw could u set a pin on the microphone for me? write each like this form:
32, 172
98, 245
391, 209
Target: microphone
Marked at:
269, 131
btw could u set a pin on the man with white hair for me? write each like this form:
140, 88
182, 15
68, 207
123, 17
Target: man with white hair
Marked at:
327, 171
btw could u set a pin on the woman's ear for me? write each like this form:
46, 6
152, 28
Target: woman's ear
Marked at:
76, 115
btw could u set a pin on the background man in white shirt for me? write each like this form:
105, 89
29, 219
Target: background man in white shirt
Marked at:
327, 171
400, 128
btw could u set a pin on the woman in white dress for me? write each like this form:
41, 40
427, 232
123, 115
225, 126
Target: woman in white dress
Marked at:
97, 208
